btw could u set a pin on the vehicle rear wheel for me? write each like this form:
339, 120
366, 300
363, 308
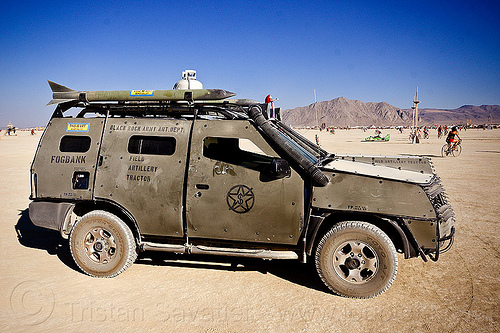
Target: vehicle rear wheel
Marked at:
102, 245
444, 150
356, 259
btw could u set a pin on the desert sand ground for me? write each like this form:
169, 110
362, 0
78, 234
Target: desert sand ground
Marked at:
42, 290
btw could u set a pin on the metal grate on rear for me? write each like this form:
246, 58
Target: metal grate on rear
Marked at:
439, 199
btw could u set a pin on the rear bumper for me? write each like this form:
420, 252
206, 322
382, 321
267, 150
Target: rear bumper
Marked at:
50, 215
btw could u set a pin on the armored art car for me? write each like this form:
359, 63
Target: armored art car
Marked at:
194, 171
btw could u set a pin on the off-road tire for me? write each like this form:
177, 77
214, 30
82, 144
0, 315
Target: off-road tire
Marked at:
102, 245
356, 259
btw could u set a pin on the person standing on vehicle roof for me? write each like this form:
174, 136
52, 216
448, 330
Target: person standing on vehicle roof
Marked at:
269, 99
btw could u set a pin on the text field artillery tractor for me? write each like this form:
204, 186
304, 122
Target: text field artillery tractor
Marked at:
194, 171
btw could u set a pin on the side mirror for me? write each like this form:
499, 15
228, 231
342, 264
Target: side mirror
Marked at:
280, 168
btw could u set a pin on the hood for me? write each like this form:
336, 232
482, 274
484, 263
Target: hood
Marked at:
413, 169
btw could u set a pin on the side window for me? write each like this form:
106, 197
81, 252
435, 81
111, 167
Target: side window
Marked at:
249, 146
151, 145
74, 144
236, 151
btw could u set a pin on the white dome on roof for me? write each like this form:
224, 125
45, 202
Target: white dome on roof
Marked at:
188, 81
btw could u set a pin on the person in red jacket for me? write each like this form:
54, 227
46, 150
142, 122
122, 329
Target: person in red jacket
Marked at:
269, 99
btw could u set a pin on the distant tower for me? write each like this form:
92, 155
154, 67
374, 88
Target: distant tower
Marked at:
415, 118
317, 122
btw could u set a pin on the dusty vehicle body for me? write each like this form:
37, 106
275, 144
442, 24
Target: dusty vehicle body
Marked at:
191, 175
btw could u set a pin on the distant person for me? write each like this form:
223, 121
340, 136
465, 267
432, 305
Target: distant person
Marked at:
32, 131
451, 139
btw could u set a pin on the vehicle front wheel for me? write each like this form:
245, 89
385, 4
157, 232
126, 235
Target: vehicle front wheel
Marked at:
356, 259
102, 245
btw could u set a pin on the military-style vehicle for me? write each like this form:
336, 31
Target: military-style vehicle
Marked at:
190, 170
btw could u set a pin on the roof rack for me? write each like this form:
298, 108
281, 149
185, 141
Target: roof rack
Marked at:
163, 109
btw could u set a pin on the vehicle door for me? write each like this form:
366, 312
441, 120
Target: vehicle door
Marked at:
142, 166
230, 194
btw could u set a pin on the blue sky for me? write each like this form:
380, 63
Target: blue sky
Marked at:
366, 50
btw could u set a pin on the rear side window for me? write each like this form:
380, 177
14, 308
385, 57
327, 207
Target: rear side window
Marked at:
74, 144
151, 145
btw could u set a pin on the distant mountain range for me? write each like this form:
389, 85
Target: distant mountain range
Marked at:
345, 112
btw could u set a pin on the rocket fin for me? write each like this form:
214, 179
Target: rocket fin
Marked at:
56, 90
56, 87
59, 101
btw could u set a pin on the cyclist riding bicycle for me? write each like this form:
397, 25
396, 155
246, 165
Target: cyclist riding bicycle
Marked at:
451, 138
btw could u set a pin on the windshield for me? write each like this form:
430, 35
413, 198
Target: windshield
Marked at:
308, 154
312, 152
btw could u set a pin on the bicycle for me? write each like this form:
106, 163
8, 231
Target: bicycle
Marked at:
416, 139
449, 149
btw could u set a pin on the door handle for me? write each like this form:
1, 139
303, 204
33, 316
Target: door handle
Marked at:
202, 186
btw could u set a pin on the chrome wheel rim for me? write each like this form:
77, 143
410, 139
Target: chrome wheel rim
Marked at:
100, 245
355, 262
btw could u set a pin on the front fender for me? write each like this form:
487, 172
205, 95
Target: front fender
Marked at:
364, 194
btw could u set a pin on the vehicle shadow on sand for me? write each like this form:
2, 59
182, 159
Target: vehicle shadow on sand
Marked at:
290, 270
30, 235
